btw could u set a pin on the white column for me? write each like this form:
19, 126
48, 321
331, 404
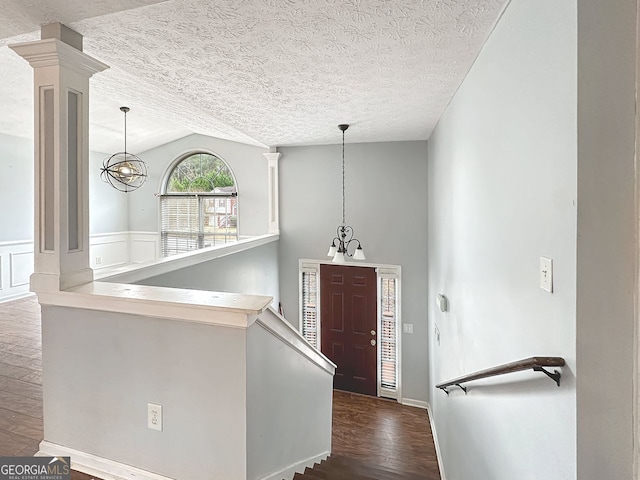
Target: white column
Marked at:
61, 138
274, 223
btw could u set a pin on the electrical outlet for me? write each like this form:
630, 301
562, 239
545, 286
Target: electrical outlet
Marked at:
154, 416
98, 260
408, 328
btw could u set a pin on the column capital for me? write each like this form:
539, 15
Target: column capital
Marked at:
52, 52
272, 156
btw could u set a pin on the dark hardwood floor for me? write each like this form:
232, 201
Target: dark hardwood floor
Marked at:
20, 378
378, 438
373, 434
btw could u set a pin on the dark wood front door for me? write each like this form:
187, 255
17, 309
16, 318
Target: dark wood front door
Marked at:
348, 310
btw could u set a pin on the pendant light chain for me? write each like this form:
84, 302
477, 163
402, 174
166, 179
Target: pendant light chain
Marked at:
343, 207
125, 133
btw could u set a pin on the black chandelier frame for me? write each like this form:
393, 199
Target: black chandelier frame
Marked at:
124, 171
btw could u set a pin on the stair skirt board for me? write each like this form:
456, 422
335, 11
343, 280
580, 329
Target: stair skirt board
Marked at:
288, 472
96, 466
435, 442
110, 470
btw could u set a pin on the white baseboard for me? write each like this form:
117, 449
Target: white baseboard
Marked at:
291, 470
96, 466
435, 442
410, 402
15, 296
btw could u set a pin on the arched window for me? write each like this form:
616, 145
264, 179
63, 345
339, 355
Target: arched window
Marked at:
199, 204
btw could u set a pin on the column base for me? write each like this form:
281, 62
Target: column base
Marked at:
54, 282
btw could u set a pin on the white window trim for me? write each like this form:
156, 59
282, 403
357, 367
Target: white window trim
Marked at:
382, 271
393, 273
309, 268
164, 180
162, 184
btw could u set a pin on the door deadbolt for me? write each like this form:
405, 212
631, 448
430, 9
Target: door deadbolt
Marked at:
373, 343
373, 332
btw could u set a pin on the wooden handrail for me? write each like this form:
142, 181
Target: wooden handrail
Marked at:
534, 363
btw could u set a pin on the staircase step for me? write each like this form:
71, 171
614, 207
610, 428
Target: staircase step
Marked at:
346, 468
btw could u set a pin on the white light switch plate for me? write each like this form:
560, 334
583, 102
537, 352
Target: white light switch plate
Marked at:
408, 328
546, 274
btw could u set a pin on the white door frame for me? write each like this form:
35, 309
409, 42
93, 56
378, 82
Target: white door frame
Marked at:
382, 271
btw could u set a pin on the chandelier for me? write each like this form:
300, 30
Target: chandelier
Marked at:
339, 248
124, 171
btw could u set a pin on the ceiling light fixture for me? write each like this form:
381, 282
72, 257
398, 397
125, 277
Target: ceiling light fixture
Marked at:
339, 248
124, 171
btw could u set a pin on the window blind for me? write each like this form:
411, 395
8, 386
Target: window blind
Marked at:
191, 222
388, 329
310, 307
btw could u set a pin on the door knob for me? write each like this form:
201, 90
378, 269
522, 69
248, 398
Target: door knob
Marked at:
373, 343
373, 332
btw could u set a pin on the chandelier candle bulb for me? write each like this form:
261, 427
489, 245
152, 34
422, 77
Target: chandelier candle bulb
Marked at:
339, 248
359, 254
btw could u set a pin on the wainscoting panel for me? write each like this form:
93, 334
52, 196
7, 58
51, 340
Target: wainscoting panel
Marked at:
143, 246
16, 265
105, 250
21, 265
109, 250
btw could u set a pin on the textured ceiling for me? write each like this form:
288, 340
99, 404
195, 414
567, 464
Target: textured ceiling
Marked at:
264, 72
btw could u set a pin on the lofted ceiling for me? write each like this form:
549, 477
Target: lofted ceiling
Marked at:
262, 72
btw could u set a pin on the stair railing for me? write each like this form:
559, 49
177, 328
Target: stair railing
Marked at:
537, 364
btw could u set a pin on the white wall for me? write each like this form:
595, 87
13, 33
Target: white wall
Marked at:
249, 167
607, 249
101, 369
253, 271
386, 202
502, 193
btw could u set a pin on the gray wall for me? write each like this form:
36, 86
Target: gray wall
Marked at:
249, 167
101, 369
386, 189
502, 193
16, 188
108, 207
607, 249
253, 271
289, 404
